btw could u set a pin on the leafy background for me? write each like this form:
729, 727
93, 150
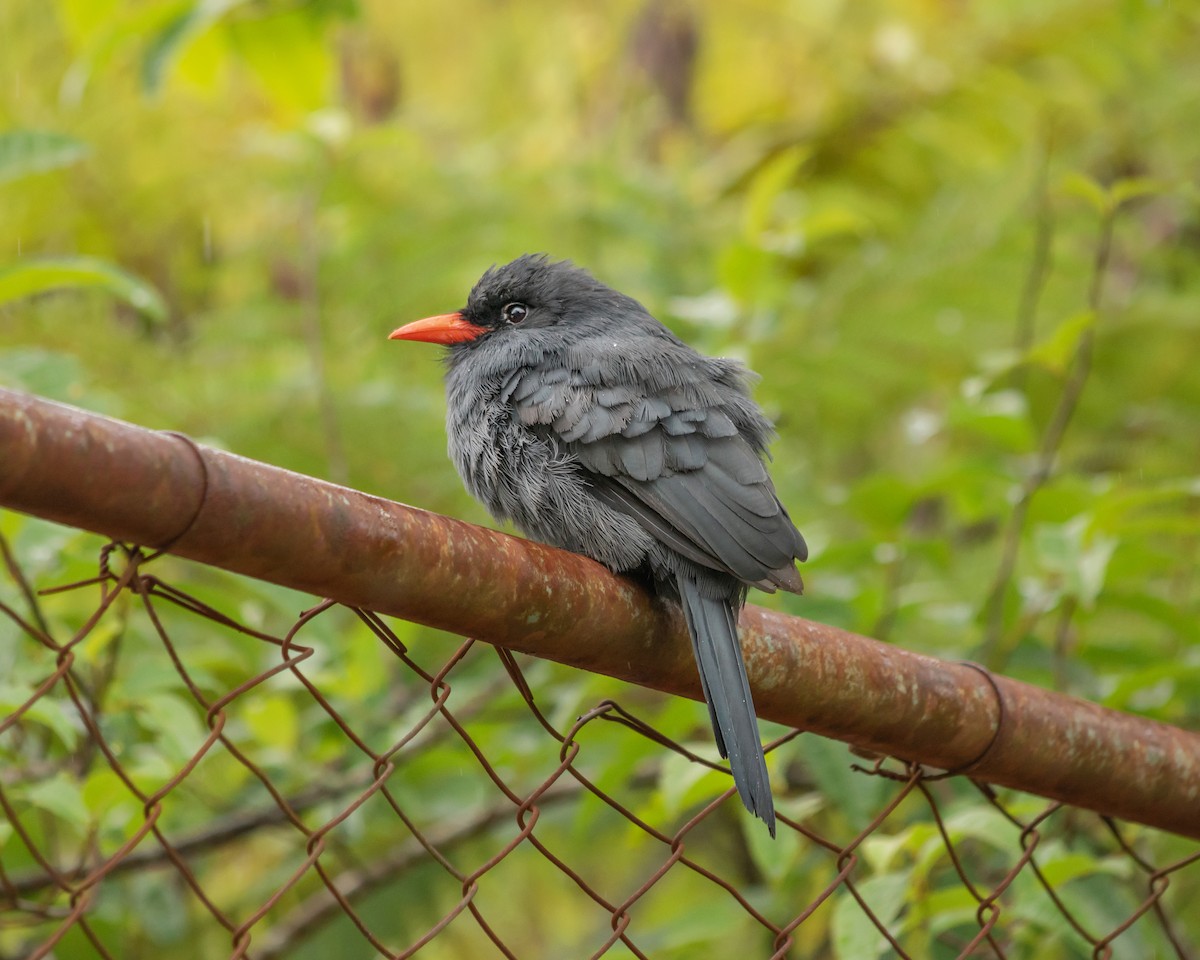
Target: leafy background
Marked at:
958, 241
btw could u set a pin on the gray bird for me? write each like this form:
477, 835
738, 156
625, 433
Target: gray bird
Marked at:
574, 413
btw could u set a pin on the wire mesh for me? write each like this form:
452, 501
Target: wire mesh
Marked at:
169, 757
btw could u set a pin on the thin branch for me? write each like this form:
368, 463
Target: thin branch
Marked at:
314, 338
1063, 636
1039, 266
994, 650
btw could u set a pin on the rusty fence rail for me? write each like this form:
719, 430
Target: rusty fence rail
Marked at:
942, 720
168, 493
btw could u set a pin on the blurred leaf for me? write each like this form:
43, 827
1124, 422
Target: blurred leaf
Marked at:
47, 711
1082, 186
104, 792
855, 937
884, 851
883, 500
85, 19
999, 418
273, 721
949, 908
776, 176
168, 43
1137, 188
49, 373
831, 222
289, 56
61, 795
23, 152
857, 797
693, 929
1165, 677
983, 823
174, 723
684, 784
776, 856
31, 277
161, 909
1056, 351
1123, 507
1168, 613
1073, 553
744, 270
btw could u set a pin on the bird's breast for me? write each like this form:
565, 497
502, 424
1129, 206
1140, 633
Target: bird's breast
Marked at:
523, 474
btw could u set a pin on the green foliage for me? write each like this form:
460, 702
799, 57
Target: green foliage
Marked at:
32, 276
23, 152
957, 242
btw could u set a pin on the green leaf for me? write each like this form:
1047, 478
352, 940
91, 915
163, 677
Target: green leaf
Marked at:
23, 152
832, 222
985, 824
999, 418
103, 791
683, 784
47, 710
882, 851
1076, 556
27, 278
696, 926
1066, 866
161, 909
174, 723
289, 56
84, 21
273, 721
855, 937
1153, 686
1056, 351
166, 47
776, 176
1135, 188
61, 796
1082, 186
951, 907
45, 372
744, 269
859, 796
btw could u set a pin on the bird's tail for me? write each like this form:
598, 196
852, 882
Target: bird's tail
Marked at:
712, 624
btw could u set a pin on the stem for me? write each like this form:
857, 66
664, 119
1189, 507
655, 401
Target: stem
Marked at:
994, 650
310, 319
1039, 269
890, 607
1062, 642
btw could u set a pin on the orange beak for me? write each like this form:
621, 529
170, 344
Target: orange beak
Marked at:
445, 328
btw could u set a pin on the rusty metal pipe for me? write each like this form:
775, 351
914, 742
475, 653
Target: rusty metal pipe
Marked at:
162, 490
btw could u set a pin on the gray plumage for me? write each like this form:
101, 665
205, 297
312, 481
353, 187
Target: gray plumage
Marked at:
592, 427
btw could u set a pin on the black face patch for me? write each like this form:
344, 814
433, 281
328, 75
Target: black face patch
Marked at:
543, 286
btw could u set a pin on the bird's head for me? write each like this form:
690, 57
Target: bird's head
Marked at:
532, 293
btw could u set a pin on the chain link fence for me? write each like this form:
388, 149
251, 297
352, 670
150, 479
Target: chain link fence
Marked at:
180, 780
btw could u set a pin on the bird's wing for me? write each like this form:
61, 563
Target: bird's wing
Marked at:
673, 459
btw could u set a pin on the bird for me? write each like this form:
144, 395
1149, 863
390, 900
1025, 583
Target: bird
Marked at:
575, 414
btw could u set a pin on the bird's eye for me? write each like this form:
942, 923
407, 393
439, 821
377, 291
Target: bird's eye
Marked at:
514, 312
